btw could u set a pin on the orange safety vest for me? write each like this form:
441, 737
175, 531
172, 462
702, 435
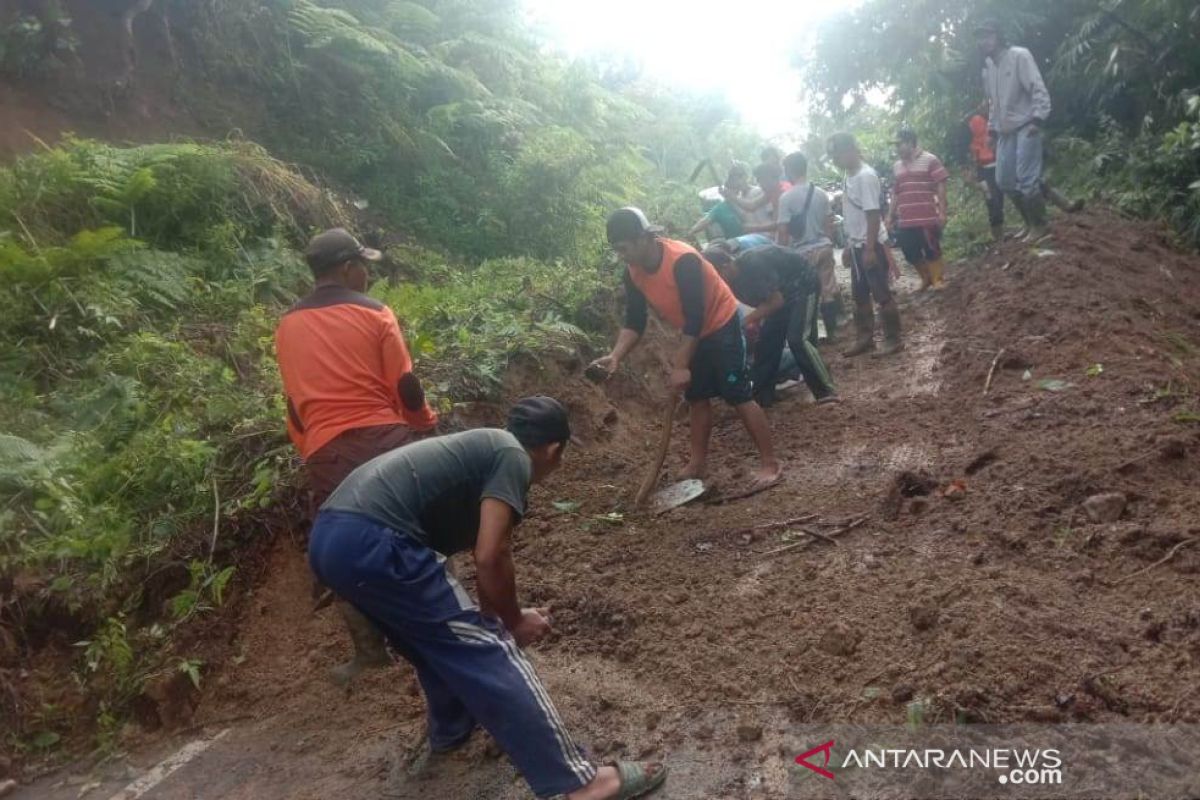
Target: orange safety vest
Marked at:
981, 147
662, 293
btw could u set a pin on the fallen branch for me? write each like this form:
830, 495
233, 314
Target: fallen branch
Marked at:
722, 499
216, 530
768, 526
1158, 563
822, 536
987, 387
828, 537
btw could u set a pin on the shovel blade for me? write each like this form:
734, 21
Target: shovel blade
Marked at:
676, 494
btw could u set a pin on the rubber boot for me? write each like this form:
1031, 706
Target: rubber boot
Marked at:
1019, 201
997, 233
892, 343
829, 315
926, 277
864, 326
937, 273
370, 652
1061, 200
1036, 208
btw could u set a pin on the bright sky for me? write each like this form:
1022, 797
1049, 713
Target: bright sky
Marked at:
707, 46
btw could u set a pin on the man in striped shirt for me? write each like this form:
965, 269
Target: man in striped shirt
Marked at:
918, 213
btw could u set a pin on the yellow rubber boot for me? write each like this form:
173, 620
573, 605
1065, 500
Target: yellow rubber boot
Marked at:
926, 278
937, 271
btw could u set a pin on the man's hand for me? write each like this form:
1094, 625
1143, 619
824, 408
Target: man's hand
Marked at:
869, 258
533, 627
1033, 129
607, 364
678, 379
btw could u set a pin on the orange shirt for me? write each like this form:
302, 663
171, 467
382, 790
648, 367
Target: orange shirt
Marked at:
342, 355
662, 292
981, 146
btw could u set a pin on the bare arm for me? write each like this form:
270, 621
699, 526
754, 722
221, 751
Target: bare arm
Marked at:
943, 208
495, 577
627, 339
873, 221
750, 205
766, 309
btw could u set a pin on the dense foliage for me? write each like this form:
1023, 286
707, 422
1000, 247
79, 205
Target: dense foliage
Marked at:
1123, 74
142, 443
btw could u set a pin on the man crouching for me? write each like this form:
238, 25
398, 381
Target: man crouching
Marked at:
381, 542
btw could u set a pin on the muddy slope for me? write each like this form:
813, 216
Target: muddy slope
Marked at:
977, 585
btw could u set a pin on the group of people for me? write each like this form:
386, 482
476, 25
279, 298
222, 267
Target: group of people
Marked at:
396, 500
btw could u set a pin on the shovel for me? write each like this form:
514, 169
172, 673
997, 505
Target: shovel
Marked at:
675, 494
672, 495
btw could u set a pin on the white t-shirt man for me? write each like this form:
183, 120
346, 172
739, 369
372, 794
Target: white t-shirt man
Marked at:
861, 194
759, 216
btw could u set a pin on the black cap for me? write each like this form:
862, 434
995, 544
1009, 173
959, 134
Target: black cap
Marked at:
906, 134
335, 246
988, 25
539, 420
628, 224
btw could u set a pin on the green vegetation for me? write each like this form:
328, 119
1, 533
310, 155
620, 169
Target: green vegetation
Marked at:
143, 441
1123, 75
142, 446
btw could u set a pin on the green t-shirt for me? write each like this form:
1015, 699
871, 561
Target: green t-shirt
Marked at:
727, 217
432, 489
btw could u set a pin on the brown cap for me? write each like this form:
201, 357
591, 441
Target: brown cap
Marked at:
335, 246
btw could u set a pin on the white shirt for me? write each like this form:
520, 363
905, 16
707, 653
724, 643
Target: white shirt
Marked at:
760, 216
860, 195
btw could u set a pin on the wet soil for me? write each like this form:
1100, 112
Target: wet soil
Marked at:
976, 586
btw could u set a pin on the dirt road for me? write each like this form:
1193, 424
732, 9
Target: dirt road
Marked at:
978, 588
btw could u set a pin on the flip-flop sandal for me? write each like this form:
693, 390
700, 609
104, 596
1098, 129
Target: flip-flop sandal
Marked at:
635, 782
762, 486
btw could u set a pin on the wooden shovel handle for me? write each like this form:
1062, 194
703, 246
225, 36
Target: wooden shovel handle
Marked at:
664, 443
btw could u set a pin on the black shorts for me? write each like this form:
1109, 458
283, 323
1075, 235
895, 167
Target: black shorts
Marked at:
719, 368
920, 245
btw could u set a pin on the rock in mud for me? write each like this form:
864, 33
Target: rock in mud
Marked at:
1101, 508
924, 617
839, 640
747, 734
903, 692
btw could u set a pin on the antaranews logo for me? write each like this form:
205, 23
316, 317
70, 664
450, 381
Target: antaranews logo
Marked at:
827, 749
1030, 767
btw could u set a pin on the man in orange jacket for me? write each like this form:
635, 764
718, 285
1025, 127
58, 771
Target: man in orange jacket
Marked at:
350, 390
688, 294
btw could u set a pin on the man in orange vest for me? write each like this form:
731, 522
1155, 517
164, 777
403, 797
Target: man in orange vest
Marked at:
984, 159
686, 291
350, 390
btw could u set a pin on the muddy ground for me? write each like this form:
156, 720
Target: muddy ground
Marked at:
977, 586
